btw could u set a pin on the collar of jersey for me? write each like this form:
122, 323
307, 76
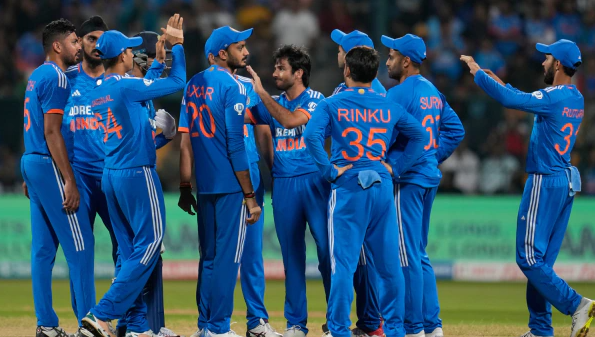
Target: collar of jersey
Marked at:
110, 76
220, 68
52, 63
369, 89
284, 95
82, 71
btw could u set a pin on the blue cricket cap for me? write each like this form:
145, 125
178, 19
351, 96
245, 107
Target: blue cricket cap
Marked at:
113, 43
351, 40
222, 37
565, 51
409, 45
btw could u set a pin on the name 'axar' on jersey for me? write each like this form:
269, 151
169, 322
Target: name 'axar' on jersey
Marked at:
212, 113
46, 93
291, 157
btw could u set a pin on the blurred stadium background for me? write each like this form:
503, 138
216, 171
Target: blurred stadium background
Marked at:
474, 218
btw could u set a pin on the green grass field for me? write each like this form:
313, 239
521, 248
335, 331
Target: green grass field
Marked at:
468, 309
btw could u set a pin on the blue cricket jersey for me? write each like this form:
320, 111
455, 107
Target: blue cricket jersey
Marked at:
252, 100
213, 114
558, 111
122, 103
89, 128
291, 156
154, 72
362, 123
47, 93
376, 86
444, 128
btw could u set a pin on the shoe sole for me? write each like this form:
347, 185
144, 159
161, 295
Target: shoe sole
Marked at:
585, 330
90, 326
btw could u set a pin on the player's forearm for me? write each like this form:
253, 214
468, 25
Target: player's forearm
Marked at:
245, 181
186, 160
452, 133
264, 140
281, 114
314, 144
59, 153
161, 141
417, 137
155, 70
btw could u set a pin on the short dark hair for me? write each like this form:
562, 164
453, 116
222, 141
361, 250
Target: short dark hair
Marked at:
108, 63
56, 30
298, 58
567, 70
413, 63
363, 63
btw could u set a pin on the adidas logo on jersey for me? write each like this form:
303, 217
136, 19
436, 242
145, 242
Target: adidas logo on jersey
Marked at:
76, 93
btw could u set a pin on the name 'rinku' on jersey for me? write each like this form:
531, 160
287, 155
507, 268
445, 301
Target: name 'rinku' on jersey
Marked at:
47, 92
88, 128
291, 156
212, 113
558, 111
362, 123
122, 104
444, 128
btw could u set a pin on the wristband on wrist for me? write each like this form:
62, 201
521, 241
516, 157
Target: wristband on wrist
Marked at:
185, 185
250, 195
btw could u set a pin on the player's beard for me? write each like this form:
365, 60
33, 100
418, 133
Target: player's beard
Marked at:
70, 60
92, 62
549, 76
234, 63
395, 72
284, 85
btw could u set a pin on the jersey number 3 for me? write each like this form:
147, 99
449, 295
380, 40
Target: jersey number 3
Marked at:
360, 147
566, 138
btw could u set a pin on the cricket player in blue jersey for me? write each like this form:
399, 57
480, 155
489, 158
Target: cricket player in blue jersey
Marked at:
300, 193
57, 212
364, 282
130, 182
212, 123
415, 189
361, 208
551, 185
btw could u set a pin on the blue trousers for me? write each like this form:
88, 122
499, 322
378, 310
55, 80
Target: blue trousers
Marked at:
365, 283
298, 200
51, 225
137, 211
541, 225
364, 217
222, 233
414, 205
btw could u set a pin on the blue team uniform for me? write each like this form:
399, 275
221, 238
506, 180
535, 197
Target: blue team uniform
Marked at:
213, 114
47, 92
548, 195
300, 195
131, 184
414, 195
361, 207
365, 281
252, 266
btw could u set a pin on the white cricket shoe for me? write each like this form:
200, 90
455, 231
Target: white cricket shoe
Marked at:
582, 318
294, 331
436, 333
82, 332
198, 333
530, 334
149, 333
97, 327
50, 332
165, 332
264, 329
419, 334
230, 333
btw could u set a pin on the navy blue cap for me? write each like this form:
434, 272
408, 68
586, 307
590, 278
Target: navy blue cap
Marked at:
409, 45
113, 43
351, 40
565, 51
222, 37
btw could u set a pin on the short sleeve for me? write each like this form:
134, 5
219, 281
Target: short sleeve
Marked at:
54, 92
260, 115
310, 103
184, 125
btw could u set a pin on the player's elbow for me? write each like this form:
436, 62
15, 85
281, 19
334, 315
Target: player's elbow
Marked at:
291, 123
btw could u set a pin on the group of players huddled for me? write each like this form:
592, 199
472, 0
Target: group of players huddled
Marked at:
90, 132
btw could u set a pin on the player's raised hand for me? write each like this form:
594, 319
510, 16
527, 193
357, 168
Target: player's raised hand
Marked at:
473, 66
160, 49
71, 196
187, 202
254, 210
255, 80
388, 167
342, 169
174, 34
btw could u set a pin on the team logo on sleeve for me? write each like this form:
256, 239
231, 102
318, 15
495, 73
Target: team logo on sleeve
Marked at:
239, 108
312, 106
537, 94
148, 82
